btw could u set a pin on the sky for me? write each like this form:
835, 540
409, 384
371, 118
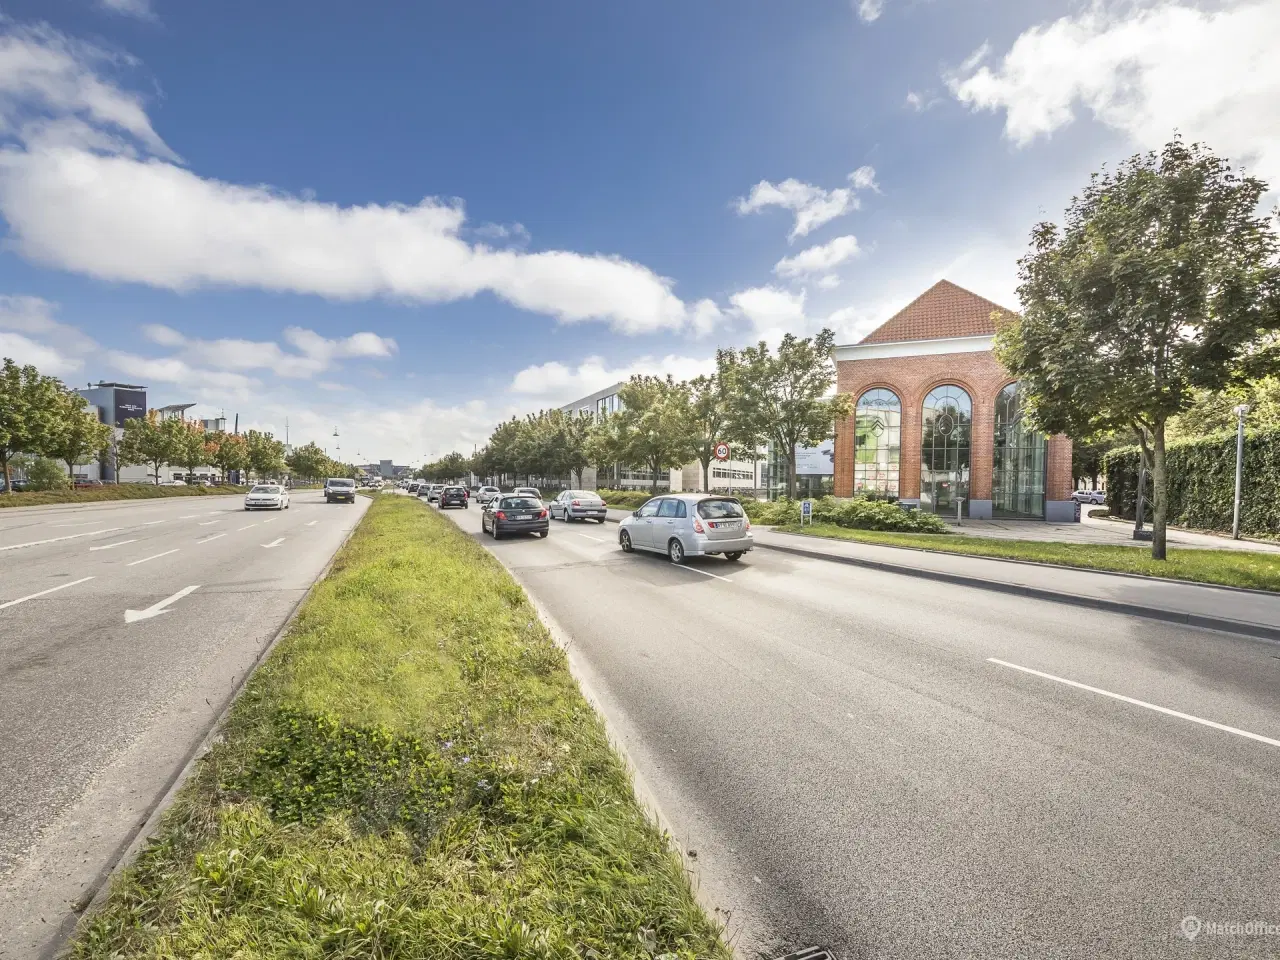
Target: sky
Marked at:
405, 222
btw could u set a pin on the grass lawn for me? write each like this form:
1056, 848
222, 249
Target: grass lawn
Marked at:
413, 773
1233, 568
122, 491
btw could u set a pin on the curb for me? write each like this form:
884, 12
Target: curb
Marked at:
1243, 628
133, 845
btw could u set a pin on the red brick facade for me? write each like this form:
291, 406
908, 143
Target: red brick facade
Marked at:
944, 312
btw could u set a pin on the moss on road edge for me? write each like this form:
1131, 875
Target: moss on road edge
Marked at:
411, 773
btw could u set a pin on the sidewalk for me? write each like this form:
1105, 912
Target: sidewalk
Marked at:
1249, 612
1102, 532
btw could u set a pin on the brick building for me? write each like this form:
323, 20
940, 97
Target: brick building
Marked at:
938, 420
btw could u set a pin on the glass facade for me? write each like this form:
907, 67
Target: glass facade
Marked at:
946, 435
1018, 461
877, 443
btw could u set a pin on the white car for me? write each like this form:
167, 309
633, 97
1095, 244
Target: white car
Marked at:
1089, 496
267, 496
486, 493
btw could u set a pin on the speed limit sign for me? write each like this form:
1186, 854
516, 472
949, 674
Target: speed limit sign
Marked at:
722, 451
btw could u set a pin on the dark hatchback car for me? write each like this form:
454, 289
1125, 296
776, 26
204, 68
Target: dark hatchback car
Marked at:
511, 514
453, 497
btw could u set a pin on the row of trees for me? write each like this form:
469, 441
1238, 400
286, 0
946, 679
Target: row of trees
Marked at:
755, 396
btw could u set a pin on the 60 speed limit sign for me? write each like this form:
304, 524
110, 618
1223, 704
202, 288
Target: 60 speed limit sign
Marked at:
722, 451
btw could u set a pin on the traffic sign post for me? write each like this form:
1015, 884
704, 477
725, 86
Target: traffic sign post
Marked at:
721, 452
806, 512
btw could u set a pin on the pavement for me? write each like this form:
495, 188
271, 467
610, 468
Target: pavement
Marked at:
896, 767
125, 628
1101, 531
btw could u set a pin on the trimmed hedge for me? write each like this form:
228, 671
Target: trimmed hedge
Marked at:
1202, 480
625, 499
855, 514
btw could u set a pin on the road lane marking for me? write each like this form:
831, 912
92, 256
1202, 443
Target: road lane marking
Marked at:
246, 527
313, 523
214, 537
270, 520
61, 586
154, 556
132, 616
206, 523
152, 523
274, 543
703, 572
1139, 703
189, 516
70, 536
112, 546
596, 539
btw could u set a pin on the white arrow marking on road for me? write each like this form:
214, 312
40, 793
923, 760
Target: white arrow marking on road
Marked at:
274, 543
156, 609
61, 586
154, 556
70, 536
110, 546
214, 537
1138, 703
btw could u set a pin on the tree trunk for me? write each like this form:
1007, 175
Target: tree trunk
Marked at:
653, 478
791, 472
8, 476
1160, 483
706, 475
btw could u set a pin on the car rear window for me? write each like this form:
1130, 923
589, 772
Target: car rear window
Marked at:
461, 490
581, 495
719, 509
342, 483
520, 503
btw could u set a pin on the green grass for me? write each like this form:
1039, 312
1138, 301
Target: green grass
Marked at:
1233, 568
123, 491
413, 773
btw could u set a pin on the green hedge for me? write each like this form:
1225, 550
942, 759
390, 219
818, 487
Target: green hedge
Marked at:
1202, 481
856, 514
625, 499
123, 491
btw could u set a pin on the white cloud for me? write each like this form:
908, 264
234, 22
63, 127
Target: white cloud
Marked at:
771, 312
812, 206
133, 8
1145, 69
556, 383
165, 336
818, 259
869, 10
77, 196
315, 353
30, 334
829, 282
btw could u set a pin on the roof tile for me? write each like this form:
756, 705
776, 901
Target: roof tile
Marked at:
944, 310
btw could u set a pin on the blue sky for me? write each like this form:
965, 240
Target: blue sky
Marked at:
410, 220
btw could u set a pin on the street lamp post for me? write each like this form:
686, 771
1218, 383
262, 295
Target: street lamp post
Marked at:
1240, 412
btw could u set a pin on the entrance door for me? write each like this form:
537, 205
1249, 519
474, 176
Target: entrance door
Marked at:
946, 431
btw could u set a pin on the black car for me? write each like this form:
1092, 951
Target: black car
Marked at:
453, 497
339, 489
511, 514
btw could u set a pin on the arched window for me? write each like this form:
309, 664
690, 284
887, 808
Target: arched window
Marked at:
877, 443
1018, 461
946, 430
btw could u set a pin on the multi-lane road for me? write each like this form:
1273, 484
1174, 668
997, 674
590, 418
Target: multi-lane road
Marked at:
895, 767
124, 629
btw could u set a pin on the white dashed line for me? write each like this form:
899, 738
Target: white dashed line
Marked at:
214, 537
70, 536
206, 523
703, 572
596, 539
247, 526
112, 546
154, 556
42, 593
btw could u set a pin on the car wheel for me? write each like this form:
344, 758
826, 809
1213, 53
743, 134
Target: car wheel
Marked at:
624, 541
542, 534
733, 556
675, 550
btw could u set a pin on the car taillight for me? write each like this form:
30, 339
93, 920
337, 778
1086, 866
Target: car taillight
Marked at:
577, 503
697, 526
542, 515
746, 525
499, 515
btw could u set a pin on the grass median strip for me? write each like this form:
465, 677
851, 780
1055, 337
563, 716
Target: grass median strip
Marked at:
1232, 568
122, 491
412, 773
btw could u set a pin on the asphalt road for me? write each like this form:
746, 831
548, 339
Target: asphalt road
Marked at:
863, 761
105, 693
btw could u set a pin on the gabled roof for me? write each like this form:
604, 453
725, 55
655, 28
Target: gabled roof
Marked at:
944, 310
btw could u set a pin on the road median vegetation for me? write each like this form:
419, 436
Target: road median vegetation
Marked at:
122, 491
1232, 568
412, 772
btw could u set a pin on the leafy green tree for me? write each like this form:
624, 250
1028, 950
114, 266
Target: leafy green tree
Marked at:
709, 414
307, 462
151, 441
1163, 280
193, 446
576, 429
79, 436
784, 397
1087, 456
653, 424
265, 454
30, 404
46, 473
605, 445
230, 451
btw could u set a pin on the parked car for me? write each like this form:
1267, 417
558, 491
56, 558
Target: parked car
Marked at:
267, 496
339, 488
514, 514
432, 492
485, 494
1089, 496
578, 505
454, 497
688, 525
527, 492
87, 484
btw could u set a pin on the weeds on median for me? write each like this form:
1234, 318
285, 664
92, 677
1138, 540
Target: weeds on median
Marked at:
122, 491
412, 773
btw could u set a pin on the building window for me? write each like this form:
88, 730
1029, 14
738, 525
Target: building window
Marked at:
946, 432
725, 473
877, 443
1018, 460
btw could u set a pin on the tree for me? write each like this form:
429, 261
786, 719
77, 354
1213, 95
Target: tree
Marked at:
230, 452
653, 424
605, 443
46, 474
80, 436
265, 454
150, 440
709, 410
1087, 456
307, 462
577, 429
193, 447
1163, 280
783, 397
29, 408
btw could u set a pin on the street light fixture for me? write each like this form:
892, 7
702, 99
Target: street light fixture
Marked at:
1241, 412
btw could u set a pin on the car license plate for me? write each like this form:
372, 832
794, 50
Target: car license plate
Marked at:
728, 524
525, 516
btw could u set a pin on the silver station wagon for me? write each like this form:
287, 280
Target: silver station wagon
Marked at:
688, 525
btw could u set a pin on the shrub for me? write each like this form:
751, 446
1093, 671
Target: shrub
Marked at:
855, 514
1202, 482
46, 474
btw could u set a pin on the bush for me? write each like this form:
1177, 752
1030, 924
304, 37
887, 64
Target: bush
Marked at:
625, 499
855, 514
1202, 482
46, 474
